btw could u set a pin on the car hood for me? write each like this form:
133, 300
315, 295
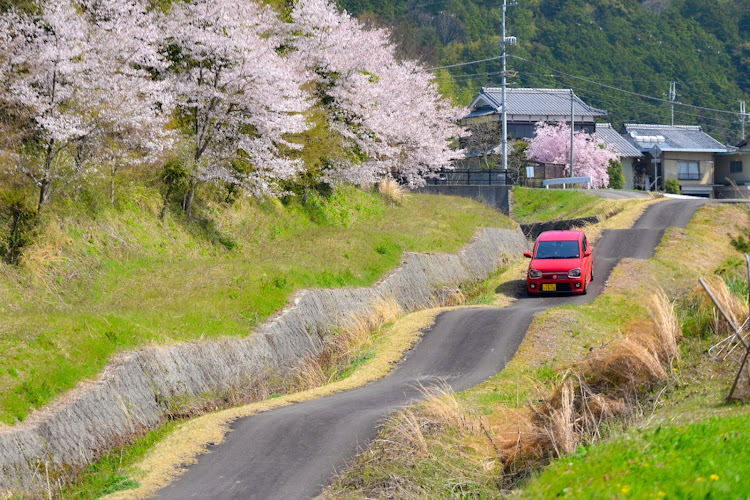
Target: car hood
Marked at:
552, 265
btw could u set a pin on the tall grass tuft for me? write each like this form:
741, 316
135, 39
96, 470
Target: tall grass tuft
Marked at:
346, 342
562, 422
735, 307
667, 327
392, 191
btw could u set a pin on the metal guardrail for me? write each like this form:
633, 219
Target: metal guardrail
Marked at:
567, 180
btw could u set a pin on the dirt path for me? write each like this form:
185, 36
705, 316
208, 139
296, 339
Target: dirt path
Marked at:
292, 452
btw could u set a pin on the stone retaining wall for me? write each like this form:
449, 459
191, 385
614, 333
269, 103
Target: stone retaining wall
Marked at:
129, 396
534, 229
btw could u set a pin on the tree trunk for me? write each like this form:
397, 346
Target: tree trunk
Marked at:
43, 193
44, 186
12, 257
187, 204
112, 185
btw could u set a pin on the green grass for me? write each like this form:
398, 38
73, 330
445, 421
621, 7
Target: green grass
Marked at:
110, 473
695, 461
539, 205
99, 282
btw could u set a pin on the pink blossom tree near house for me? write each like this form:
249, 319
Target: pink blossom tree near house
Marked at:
551, 144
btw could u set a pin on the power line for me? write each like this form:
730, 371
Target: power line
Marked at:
464, 63
608, 98
638, 94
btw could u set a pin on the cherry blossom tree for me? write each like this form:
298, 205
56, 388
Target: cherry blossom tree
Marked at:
389, 111
237, 98
551, 144
132, 127
78, 73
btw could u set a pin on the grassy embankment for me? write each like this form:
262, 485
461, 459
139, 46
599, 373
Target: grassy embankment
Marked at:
486, 441
540, 205
96, 282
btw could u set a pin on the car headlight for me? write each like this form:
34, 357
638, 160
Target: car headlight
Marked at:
535, 274
574, 273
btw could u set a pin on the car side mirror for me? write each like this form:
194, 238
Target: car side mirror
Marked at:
587, 253
527, 254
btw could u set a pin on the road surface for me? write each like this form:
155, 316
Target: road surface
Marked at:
292, 452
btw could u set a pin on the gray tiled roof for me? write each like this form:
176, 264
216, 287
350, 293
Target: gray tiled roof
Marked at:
622, 147
687, 138
531, 101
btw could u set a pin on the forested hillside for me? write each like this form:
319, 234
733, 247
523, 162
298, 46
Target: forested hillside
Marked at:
634, 45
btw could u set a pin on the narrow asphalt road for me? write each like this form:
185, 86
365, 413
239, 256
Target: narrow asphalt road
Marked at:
292, 452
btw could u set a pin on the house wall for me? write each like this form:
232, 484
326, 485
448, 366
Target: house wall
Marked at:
627, 170
722, 168
669, 166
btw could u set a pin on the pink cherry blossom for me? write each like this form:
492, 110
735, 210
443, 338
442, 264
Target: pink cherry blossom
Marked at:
77, 70
389, 110
551, 144
238, 98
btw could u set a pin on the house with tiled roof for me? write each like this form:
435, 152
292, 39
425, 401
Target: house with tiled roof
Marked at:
627, 152
527, 106
732, 171
681, 152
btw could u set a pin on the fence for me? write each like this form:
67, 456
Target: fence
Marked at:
499, 177
466, 177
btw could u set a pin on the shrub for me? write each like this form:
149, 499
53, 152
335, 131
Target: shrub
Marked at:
21, 217
175, 178
616, 177
672, 186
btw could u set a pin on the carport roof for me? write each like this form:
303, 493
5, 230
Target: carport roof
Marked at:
661, 138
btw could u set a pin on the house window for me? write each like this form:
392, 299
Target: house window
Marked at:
688, 171
735, 167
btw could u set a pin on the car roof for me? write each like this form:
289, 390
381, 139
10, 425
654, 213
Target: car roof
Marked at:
560, 236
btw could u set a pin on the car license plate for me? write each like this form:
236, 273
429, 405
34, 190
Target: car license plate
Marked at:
548, 287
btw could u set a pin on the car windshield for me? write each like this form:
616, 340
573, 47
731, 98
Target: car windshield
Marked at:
557, 250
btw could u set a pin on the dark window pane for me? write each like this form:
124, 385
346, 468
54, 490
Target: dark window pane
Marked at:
557, 250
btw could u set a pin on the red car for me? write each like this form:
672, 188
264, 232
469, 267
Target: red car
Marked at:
561, 262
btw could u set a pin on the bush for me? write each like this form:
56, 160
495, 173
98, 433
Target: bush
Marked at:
616, 177
21, 216
175, 179
672, 186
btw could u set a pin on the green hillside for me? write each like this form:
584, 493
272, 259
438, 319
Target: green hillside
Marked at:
96, 282
628, 44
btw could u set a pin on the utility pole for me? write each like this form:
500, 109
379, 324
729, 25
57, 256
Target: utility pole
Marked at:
672, 96
572, 134
506, 41
743, 114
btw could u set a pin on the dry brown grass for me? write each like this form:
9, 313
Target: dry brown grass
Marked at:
47, 251
392, 191
353, 335
735, 307
605, 385
411, 436
405, 437
668, 329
